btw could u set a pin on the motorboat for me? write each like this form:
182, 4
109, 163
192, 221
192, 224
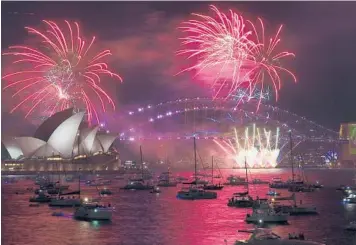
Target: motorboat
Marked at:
105, 191
294, 209
167, 183
93, 212
138, 184
317, 185
259, 182
301, 188
65, 202
241, 200
41, 198
195, 193
351, 198
273, 193
266, 214
351, 226
215, 187
155, 190
260, 236
235, 180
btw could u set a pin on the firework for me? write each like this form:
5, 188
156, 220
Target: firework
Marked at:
268, 61
60, 73
234, 56
260, 150
221, 47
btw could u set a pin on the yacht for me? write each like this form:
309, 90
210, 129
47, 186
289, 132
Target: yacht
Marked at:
164, 180
351, 226
213, 186
93, 212
105, 191
241, 200
351, 198
301, 188
266, 214
317, 185
137, 184
261, 236
155, 190
195, 192
65, 202
295, 209
259, 182
235, 180
273, 193
41, 198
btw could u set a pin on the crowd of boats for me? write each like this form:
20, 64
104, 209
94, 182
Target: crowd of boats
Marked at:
273, 208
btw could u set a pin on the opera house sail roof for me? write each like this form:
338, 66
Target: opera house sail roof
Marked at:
62, 135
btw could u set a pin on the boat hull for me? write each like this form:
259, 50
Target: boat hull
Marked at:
92, 214
266, 219
198, 196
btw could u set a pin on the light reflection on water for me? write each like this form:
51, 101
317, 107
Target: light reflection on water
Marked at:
144, 218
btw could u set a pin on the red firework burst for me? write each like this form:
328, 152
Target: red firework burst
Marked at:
60, 73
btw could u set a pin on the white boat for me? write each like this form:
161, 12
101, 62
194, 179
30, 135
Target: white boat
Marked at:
65, 202
90, 212
261, 236
295, 209
351, 226
195, 193
266, 214
138, 184
351, 198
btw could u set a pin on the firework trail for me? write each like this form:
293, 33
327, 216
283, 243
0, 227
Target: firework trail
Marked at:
259, 149
61, 73
221, 46
268, 61
233, 55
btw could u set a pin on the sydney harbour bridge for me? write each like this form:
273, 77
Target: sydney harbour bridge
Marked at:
165, 130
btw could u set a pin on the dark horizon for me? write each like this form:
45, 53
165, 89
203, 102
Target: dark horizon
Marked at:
143, 38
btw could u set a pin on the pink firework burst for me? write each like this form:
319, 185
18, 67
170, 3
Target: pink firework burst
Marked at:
221, 47
268, 62
60, 73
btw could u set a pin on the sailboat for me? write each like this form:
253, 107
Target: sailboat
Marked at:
294, 209
242, 200
213, 186
194, 192
138, 184
165, 180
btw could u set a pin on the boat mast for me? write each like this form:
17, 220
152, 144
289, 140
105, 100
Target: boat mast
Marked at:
212, 169
79, 181
291, 154
246, 173
141, 162
195, 162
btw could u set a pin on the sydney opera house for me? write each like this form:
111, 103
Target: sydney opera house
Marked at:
63, 142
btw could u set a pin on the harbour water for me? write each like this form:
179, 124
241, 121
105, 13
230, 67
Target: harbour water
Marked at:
143, 218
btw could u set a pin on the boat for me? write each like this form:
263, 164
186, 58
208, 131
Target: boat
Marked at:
264, 213
155, 190
351, 226
295, 209
73, 201
105, 191
273, 193
301, 188
259, 182
317, 185
180, 179
260, 236
235, 180
242, 200
213, 186
41, 198
351, 198
165, 180
195, 192
92, 212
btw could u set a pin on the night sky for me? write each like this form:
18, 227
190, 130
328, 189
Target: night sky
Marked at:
144, 38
